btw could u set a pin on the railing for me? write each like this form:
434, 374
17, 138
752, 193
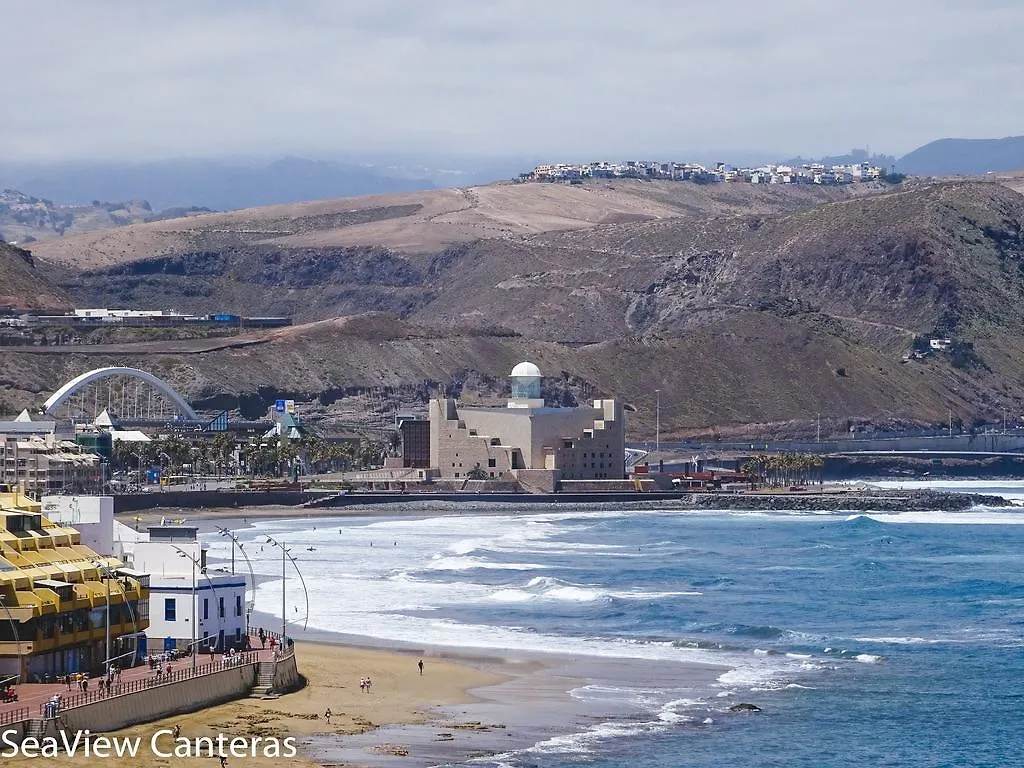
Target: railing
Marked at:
153, 681
14, 716
284, 646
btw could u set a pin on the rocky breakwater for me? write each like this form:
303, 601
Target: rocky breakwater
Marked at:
859, 500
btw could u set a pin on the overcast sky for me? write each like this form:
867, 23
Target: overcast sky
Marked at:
123, 79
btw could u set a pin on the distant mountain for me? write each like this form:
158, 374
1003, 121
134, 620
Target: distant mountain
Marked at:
853, 157
25, 218
216, 184
964, 157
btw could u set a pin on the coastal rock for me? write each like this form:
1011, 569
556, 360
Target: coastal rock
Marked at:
744, 707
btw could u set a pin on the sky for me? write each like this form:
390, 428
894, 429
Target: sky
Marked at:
574, 79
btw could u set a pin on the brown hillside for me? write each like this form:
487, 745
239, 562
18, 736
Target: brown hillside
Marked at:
425, 222
359, 371
22, 288
739, 317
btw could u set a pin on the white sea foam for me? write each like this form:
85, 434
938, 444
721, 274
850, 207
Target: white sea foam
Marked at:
867, 658
548, 588
386, 579
441, 563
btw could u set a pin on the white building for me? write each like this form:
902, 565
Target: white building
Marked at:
165, 553
182, 587
91, 516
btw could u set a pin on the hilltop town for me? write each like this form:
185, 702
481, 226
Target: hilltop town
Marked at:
808, 173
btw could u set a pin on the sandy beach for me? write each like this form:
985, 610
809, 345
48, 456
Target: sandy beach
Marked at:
398, 695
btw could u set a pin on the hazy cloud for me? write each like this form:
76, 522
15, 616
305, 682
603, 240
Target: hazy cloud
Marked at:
601, 78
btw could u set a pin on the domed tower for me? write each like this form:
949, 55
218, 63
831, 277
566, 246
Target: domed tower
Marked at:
525, 386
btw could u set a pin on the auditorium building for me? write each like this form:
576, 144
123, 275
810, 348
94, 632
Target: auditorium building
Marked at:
527, 441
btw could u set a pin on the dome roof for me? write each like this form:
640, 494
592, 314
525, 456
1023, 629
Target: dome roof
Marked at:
526, 368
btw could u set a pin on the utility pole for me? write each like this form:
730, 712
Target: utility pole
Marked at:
819, 427
951, 422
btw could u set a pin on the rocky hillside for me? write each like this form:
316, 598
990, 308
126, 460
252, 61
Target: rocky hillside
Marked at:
22, 288
745, 306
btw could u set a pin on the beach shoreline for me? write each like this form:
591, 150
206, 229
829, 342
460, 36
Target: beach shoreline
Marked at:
834, 499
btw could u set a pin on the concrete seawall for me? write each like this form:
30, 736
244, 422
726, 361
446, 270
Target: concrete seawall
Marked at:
137, 502
162, 701
286, 675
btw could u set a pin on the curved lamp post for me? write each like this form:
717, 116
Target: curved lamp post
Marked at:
111, 575
195, 564
285, 557
249, 604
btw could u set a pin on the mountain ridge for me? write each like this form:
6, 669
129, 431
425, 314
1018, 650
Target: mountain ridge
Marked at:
964, 157
745, 307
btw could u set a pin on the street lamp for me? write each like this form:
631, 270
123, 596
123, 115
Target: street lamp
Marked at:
252, 576
195, 602
108, 575
285, 556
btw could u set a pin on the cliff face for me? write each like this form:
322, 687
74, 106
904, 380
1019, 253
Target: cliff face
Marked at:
23, 288
744, 307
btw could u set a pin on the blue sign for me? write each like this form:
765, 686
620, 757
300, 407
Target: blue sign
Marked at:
279, 406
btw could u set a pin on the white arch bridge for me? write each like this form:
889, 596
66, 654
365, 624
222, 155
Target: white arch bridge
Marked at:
127, 393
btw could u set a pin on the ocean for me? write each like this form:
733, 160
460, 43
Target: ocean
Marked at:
865, 639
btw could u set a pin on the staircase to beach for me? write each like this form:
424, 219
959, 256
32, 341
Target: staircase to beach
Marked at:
264, 681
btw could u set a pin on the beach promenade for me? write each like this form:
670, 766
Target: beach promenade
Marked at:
33, 696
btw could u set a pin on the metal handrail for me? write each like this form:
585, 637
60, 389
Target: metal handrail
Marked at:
153, 681
14, 716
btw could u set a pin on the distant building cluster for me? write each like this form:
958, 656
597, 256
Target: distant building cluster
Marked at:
808, 173
142, 318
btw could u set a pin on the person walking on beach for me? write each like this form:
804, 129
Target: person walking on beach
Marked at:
327, 715
420, 665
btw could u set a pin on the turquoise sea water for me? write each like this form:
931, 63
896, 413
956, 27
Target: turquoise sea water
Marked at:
881, 640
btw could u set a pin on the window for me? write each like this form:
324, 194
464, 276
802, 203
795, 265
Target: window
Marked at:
170, 609
206, 607
221, 605
456, 474
238, 605
492, 463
